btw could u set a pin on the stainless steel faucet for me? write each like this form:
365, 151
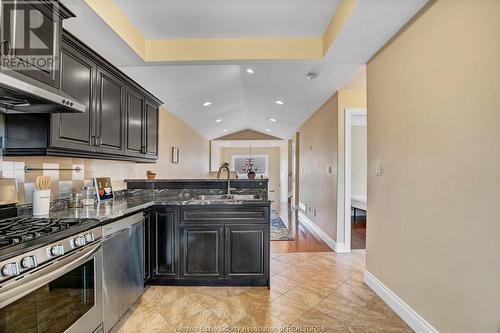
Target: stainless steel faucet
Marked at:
225, 166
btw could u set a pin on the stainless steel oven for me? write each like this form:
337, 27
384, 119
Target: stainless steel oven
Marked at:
64, 295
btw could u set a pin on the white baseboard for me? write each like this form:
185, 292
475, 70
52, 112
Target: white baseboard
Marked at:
323, 235
410, 316
341, 248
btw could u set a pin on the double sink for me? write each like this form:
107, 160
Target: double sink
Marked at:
230, 197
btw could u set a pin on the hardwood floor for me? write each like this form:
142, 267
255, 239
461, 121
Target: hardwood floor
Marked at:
358, 233
304, 239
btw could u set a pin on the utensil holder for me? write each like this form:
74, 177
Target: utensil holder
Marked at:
41, 202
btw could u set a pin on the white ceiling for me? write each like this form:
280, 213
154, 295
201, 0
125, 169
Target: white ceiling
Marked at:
160, 19
243, 100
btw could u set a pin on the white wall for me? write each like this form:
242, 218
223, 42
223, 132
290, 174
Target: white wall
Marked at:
359, 159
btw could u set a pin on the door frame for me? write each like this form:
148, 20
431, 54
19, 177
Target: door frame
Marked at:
350, 115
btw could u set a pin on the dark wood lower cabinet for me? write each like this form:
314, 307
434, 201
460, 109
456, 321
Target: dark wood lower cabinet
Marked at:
247, 251
202, 251
165, 245
212, 252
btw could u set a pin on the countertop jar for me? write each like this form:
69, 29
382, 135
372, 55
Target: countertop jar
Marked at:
88, 197
75, 200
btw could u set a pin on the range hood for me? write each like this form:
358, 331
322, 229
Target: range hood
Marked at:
24, 95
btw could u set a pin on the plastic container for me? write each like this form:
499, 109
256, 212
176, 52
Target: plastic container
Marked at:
75, 200
41, 202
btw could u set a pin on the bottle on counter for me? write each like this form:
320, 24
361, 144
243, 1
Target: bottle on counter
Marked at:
88, 196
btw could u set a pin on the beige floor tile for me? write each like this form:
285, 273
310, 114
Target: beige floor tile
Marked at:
320, 289
377, 304
377, 322
320, 321
206, 298
174, 312
297, 274
143, 319
286, 309
278, 266
160, 296
339, 308
260, 295
326, 285
307, 295
231, 309
204, 321
356, 280
293, 258
354, 294
257, 323
283, 284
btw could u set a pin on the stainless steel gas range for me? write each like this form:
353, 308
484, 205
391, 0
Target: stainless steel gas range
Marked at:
50, 275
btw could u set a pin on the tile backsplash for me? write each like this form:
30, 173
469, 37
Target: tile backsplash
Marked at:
64, 181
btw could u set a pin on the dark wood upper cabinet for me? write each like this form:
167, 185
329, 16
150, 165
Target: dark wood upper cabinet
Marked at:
110, 113
32, 36
78, 77
151, 130
134, 124
121, 121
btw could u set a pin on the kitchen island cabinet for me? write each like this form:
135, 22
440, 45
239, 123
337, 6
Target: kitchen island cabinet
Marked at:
210, 245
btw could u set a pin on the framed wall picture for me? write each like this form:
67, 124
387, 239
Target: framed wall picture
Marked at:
103, 188
175, 155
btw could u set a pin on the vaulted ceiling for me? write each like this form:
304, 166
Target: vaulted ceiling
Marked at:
192, 52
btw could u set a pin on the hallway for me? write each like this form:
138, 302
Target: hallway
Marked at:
304, 239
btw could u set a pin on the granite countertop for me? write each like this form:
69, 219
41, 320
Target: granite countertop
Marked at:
107, 211
193, 180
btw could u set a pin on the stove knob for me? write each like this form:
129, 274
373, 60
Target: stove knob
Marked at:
11, 269
29, 262
89, 237
79, 241
57, 250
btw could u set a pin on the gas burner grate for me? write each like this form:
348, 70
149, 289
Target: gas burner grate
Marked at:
17, 230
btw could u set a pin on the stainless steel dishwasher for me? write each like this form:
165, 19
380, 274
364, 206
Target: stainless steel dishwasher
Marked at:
123, 266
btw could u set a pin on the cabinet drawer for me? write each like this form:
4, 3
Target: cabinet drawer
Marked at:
226, 214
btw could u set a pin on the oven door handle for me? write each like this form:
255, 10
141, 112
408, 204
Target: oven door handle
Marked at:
31, 281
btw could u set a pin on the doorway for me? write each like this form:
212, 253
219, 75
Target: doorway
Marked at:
356, 172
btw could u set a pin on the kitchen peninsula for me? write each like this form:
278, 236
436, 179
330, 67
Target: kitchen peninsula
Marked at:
194, 234
198, 235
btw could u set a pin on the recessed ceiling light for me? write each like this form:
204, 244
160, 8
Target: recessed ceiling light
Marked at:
279, 102
272, 119
207, 103
225, 130
249, 71
268, 130
218, 120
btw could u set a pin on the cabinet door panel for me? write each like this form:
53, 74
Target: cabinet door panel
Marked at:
111, 113
75, 130
151, 130
166, 252
202, 251
32, 36
134, 128
247, 251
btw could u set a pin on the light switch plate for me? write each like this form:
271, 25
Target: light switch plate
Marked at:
379, 169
